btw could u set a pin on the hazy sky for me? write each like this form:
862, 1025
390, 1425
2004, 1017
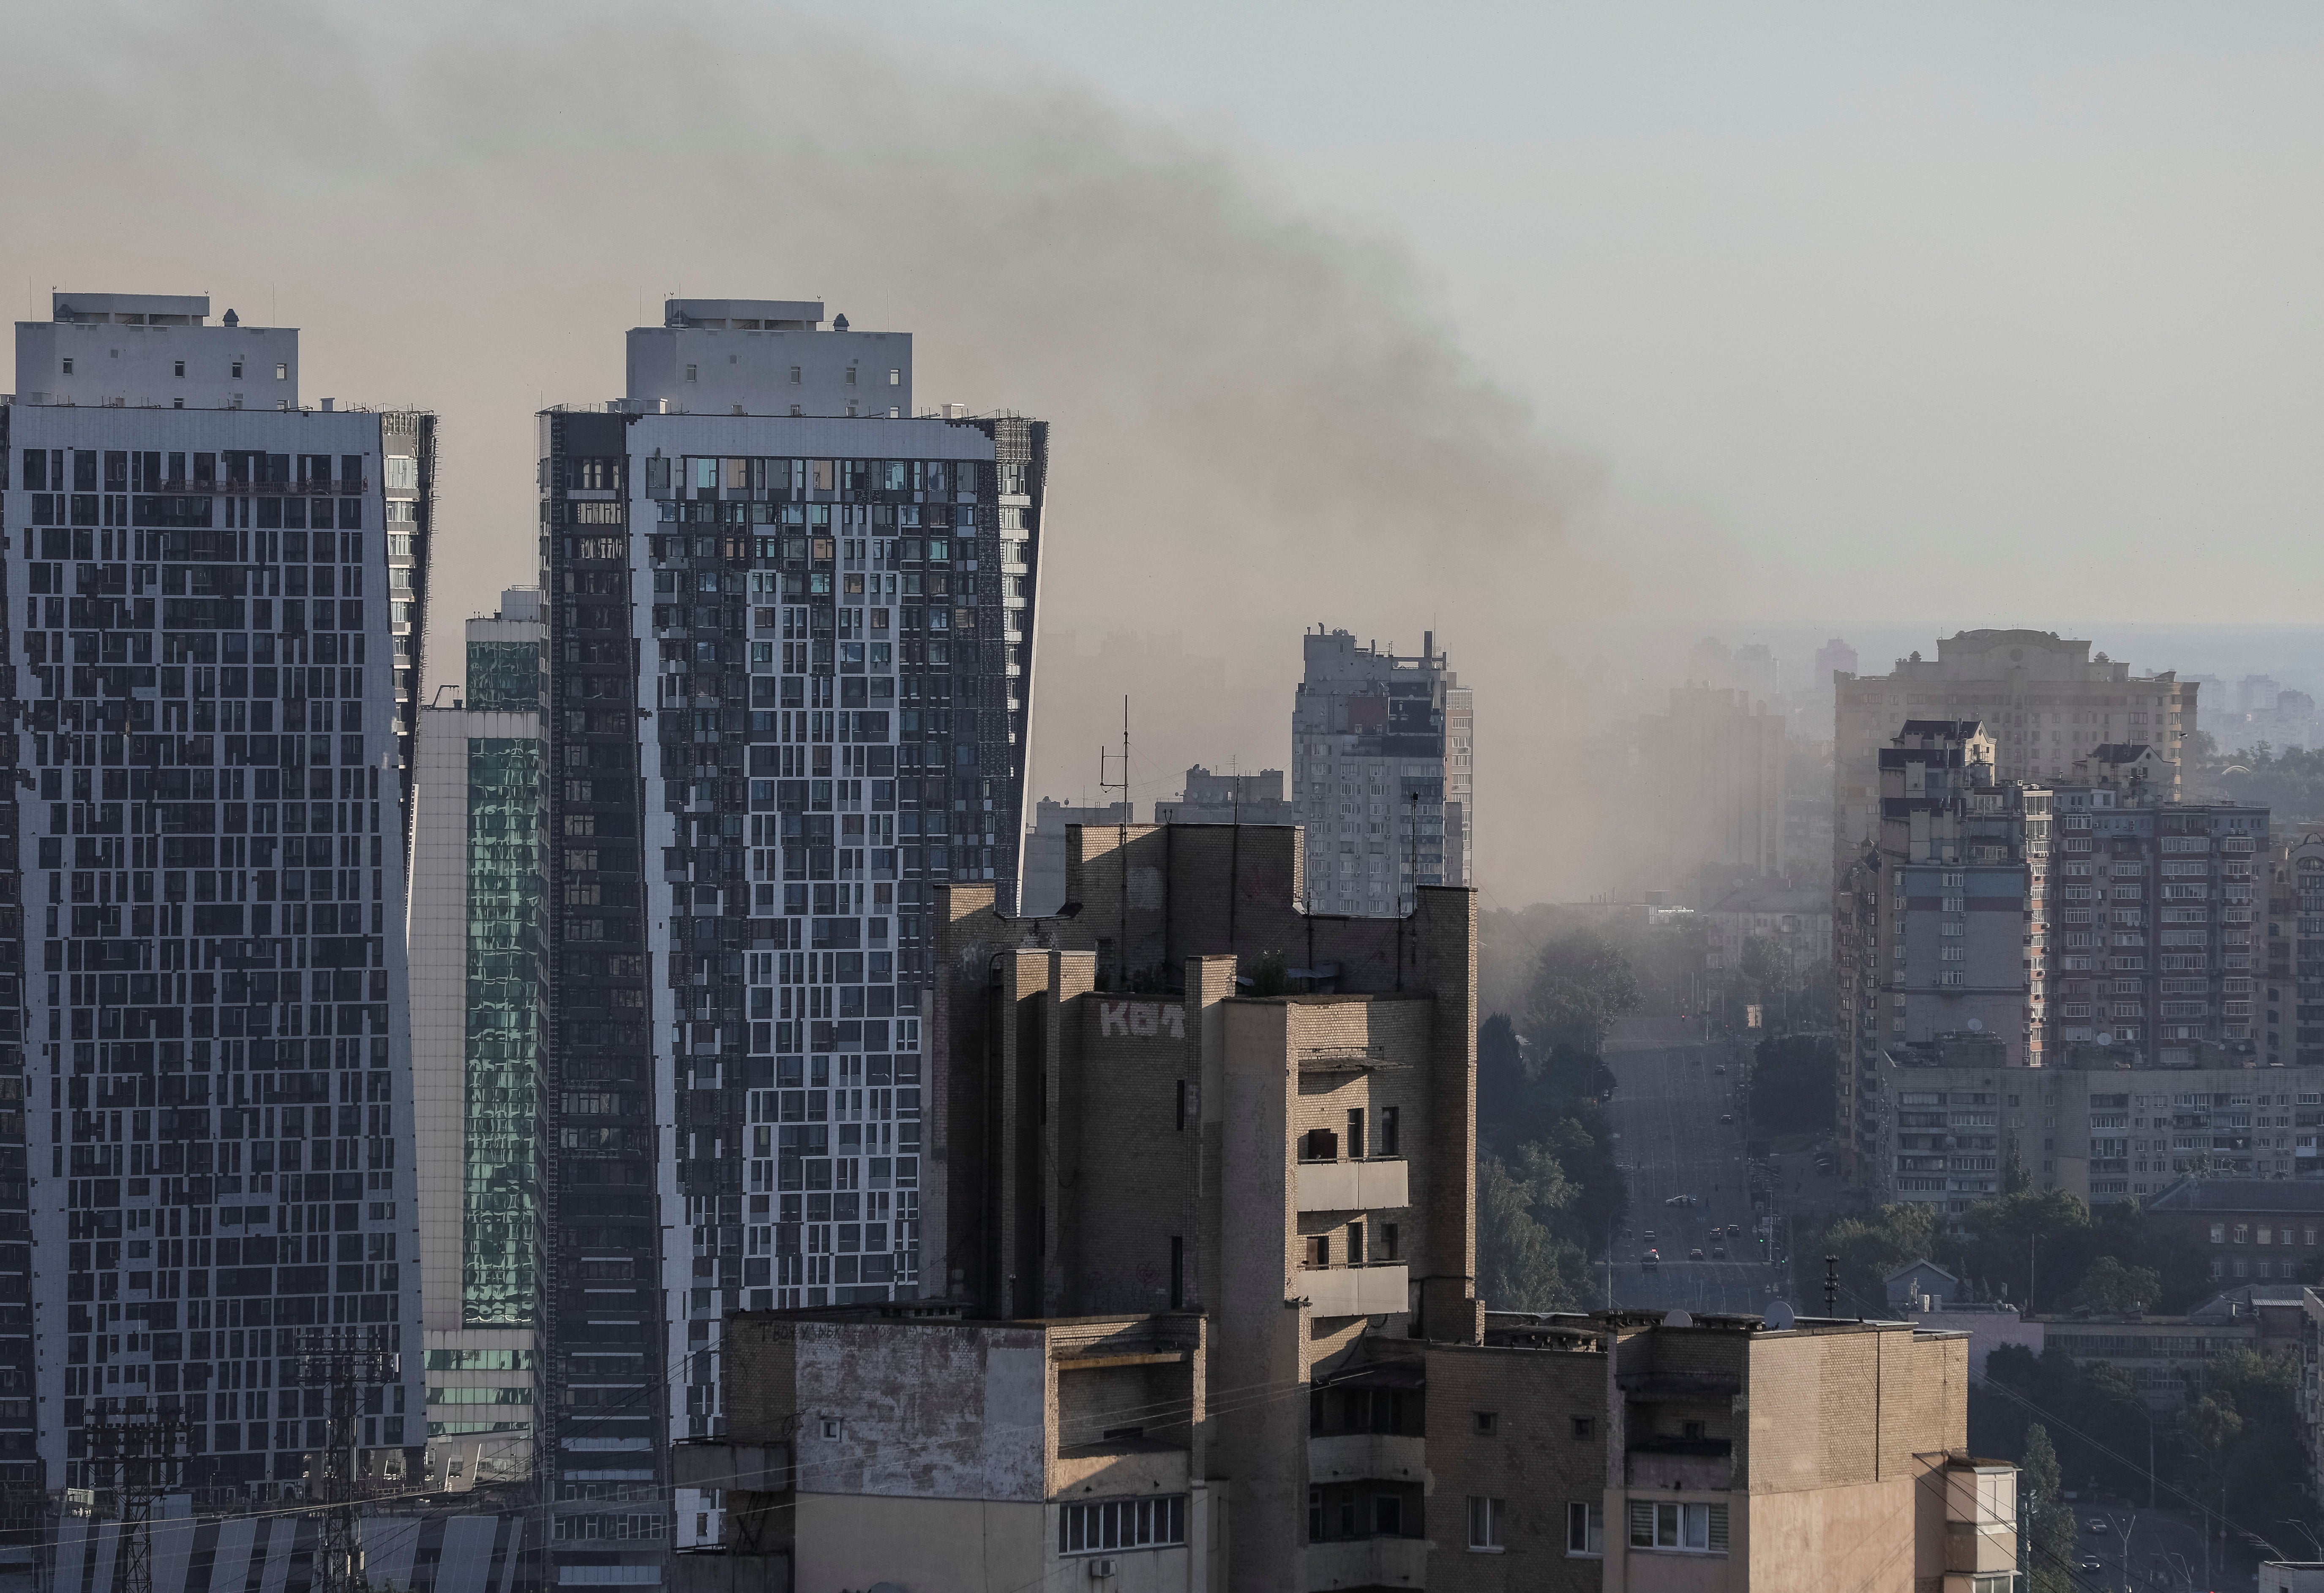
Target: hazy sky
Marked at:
1542, 325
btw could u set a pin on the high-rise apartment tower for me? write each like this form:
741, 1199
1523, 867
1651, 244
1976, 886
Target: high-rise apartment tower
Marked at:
790, 662
1383, 767
213, 605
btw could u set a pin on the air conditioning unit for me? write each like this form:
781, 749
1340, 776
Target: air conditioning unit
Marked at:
1100, 1570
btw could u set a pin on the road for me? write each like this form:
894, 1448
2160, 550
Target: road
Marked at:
1668, 1099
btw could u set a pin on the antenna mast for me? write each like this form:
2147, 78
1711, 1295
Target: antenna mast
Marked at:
1121, 838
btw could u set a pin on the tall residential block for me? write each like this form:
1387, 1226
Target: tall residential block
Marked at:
2046, 701
477, 964
214, 604
1929, 924
790, 662
1383, 765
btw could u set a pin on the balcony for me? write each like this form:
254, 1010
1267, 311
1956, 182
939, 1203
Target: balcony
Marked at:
1367, 1457
1356, 1290
1380, 1184
1368, 1562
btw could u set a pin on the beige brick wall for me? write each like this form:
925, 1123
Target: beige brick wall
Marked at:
1532, 1460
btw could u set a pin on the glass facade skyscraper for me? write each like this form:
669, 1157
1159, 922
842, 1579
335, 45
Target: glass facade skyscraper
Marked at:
789, 670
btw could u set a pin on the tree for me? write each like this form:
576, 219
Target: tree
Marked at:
2049, 1523
1869, 1248
1522, 1264
2118, 1290
1580, 984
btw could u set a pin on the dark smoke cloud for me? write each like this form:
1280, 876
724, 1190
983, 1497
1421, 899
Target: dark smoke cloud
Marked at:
1261, 421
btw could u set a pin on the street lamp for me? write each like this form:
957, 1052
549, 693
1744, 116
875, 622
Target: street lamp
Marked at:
2305, 1533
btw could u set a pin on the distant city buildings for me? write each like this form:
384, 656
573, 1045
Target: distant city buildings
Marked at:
1043, 890
1711, 777
1383, 770
2045, 700
1229, 799
1795, 920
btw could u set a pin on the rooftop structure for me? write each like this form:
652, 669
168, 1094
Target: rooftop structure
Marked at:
149, 351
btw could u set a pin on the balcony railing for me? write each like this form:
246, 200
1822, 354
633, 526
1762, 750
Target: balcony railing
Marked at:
1354, 1185
1379, 1290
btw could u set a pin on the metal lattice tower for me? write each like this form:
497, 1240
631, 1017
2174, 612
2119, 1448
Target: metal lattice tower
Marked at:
140, 1457
341, 1361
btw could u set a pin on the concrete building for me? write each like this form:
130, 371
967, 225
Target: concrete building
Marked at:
478, 919
1383, 768
2293, 1031
1229, 799
2267, 1228
787, 695
1043, 891
1949, 1117
2141, 914
1207, 1248
1928, 921
2046, 701
1710, 776
2169, 1356
215, 603
913, 1445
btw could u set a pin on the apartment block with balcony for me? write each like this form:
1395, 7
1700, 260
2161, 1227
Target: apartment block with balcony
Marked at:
1193, 1095
1929, 922
2143, 918
914, 1445
2293, 1030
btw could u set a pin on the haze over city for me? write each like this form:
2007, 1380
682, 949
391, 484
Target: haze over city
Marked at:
1615, 684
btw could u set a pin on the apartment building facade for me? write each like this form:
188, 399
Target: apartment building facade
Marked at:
1383, 770
216, 599
1949, 1117
2045, 699
789, 671
477, 922
1929, 922
2143, 916
2293, 1029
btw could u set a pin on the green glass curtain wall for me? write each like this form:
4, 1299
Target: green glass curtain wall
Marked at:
500, 1197
504, 676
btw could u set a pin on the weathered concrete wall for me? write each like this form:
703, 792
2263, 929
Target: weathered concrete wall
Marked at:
927, 1411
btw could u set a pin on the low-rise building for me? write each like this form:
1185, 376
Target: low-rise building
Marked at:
2168, 1356
2252, 1227
1210, 799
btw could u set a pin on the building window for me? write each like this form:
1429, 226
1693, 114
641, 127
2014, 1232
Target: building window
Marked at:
1585, 1426
1387, 1132
690, 372
68, 369
1319, 1250
895, 379
182, 367
1485, 1524
281, 372
1121, 1524
795, 375
1487, 1420
1585, 1529
1691, 1529
238, 369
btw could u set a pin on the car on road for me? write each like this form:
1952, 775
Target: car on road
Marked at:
1718, 1252
1719, 1069
1733, 1231
2097, 1525
1695, 1254
2089, 1562
1650, 1260
1726, 1117
1680, 1200
1650, 1236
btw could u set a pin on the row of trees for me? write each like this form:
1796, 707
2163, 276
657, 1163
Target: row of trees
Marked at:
2041, 1249
1548, 1193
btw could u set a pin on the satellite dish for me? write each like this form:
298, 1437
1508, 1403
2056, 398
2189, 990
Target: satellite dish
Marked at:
1778, 1315
1678, 1319
1977, 1026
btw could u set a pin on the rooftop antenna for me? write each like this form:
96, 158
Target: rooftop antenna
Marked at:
1121, 836
1831, 1286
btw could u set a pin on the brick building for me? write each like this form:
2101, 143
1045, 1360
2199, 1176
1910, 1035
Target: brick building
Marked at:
2251, 1228
1193, 1103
